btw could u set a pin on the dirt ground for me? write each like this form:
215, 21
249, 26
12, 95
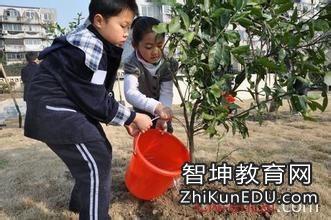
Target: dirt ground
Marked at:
35, 184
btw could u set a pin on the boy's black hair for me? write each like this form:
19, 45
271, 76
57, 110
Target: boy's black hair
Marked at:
31, 56
109, 8
141, 26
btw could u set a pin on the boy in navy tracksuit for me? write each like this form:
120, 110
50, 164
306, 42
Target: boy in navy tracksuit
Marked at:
72, 92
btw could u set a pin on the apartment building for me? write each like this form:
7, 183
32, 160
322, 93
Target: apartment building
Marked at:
24, 29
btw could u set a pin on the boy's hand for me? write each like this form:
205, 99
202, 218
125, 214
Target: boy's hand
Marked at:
142, 122
164, 112
132, 129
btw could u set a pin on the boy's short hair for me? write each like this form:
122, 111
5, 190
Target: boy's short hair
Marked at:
143, 25
109, 8
31, 56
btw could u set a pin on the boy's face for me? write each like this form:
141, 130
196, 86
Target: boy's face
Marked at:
115, 29
150, 47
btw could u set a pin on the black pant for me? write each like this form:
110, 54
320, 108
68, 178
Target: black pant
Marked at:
90, 165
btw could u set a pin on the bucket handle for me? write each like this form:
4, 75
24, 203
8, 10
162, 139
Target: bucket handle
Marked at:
155, 118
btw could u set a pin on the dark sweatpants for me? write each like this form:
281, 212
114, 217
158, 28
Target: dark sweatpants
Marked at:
90, 165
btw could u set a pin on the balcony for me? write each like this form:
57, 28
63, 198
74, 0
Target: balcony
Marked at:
6, 19
14, 48
19, 19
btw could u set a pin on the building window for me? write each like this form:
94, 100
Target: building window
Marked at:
32, 15
12, 27
151, 11
33, 28
14, 56
14, 41
32, 41
12, 13
47, 16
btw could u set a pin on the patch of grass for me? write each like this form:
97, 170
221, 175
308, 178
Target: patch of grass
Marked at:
318, 156
321, 148
3, 164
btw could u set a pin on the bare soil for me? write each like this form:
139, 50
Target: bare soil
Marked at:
35, 184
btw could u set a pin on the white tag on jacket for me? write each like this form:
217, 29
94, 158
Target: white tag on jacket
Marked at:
99, 77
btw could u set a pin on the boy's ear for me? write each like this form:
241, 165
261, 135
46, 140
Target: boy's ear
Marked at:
98, 20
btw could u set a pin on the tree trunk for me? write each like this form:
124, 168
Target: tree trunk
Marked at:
273, 106
256, 90
191, 145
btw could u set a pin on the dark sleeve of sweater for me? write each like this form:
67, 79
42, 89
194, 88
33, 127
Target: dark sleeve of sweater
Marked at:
93, 99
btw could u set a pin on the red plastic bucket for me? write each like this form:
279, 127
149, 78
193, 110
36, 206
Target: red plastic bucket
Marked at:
155, 163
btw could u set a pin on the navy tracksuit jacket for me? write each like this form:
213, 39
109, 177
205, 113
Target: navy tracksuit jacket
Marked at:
68, 97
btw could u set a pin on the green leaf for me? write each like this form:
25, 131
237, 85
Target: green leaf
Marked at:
280, 2
325, 97
239, 59
211, 130
315, 105
245, 22
188, 36
257, 11
185, 18
294, 17
299, 103
313, 97
232, 36
218, 12
239, 79
239, 4
215, 90
284, 7
195, 94
218, 55
267, 16
240, 50
281, 54
264, 61
293, 41
321, 25
172, 48
160, 28
183, 54
303, 80
207, 117
174, 25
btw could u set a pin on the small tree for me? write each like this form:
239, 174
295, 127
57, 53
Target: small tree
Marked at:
207, 35
56, 29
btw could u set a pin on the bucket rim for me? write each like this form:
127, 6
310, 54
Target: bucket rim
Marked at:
152, 166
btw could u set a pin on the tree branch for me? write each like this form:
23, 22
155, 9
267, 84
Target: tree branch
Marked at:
253, 107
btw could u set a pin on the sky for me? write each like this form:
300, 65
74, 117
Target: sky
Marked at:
66, 9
